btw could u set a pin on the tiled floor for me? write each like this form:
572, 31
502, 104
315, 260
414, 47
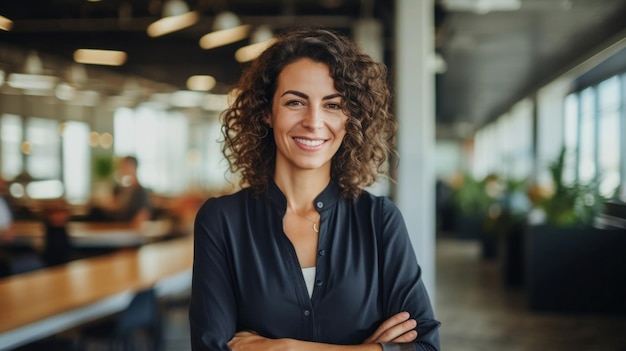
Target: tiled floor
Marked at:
479, 314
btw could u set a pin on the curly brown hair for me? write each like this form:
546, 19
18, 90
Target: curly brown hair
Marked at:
363, 84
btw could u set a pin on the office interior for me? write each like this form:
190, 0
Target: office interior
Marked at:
511, 175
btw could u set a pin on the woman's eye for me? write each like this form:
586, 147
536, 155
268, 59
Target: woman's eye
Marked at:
334, 106
294, 103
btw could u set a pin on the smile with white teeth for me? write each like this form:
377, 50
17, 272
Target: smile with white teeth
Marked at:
308, 142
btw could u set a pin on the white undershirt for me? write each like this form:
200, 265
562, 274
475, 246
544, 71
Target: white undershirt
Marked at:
309, 278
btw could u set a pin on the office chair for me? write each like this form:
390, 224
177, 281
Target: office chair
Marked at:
25, 262
122, 331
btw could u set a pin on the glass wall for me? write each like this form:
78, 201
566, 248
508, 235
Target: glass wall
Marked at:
173, 155
594, 123
593, 134
504, 147
177, 152
12, 134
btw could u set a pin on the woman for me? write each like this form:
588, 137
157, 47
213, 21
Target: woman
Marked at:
303, 258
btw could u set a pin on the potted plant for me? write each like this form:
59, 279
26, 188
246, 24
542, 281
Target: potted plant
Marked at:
470, 201
475, 201
571, 265
506, 222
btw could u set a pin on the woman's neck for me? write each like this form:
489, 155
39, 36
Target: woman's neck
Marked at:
300, 189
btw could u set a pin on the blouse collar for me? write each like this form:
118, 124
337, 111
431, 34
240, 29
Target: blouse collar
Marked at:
326, 199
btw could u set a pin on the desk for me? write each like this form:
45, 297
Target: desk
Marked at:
42, 303
91, 234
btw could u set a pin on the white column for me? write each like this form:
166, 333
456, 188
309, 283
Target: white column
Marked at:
415, 94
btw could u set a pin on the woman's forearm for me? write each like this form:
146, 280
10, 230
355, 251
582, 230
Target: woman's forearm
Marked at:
297, 345
244, 341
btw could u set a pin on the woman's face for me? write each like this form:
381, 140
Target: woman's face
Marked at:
307, 117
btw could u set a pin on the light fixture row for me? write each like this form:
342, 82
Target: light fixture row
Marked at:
227, 29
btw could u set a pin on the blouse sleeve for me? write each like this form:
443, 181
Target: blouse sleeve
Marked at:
403, 288
212, 311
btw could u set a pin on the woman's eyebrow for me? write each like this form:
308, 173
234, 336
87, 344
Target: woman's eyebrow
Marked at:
305, 96
332, 96
296, 93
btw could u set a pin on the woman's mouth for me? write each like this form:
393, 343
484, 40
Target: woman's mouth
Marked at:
309, 142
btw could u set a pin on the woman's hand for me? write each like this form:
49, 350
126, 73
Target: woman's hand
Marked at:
398, 328
246, 340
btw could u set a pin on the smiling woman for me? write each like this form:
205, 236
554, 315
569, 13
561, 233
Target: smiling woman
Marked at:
302, 258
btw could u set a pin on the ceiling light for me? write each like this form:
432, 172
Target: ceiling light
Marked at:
5, 23
31, 81
252, 51
201, 83
172, 24
100, 57
261, 34
77, 74
174, 8
224, 37
483, 6
33, 63
65, 92
225, 20
227, 29
261, 39
176, 16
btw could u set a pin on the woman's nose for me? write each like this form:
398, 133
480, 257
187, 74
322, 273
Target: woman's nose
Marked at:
313, 118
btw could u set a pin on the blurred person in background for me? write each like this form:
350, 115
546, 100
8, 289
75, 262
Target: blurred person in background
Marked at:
6, 214
57, 245
303, 258
130, 202
6, 233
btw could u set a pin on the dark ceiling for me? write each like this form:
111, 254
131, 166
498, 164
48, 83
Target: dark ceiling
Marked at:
497, 58
492, 59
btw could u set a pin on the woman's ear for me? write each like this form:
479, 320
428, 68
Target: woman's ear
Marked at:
268, 121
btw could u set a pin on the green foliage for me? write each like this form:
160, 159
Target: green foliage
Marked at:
471, 198
510, 208
103, 167
571, 204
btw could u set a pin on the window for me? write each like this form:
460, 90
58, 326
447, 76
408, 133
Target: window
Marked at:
159, 139
594, 132
570, 138
76, 161
586, 146
44, 157
12, 134
521, 132
609, 130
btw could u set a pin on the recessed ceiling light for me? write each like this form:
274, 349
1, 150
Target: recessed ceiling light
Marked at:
5, 23
224, 37
100, 57
201, 83
170, 24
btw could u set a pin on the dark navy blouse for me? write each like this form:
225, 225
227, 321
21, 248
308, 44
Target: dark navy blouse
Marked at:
246, 275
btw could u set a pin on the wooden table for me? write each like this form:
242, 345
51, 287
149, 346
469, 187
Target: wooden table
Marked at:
90, 234
42, 303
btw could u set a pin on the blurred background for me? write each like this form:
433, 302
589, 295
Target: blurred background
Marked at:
512, 172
